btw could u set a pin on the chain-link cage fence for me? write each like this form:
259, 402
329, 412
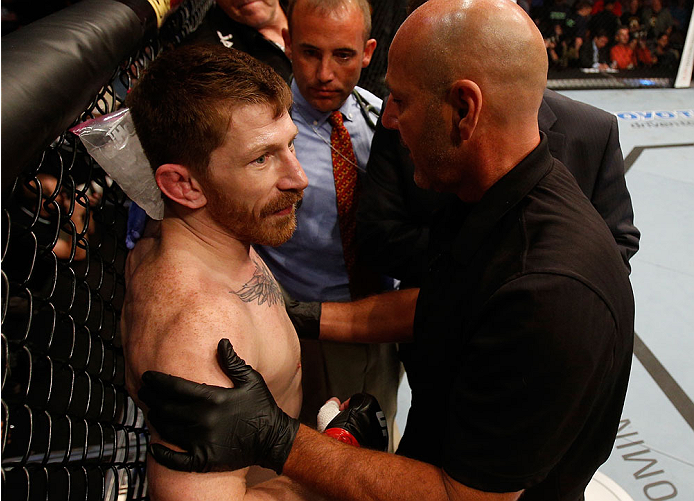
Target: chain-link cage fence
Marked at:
69, 428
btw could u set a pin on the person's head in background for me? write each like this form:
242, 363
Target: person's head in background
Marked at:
601, 39
622, 36
328, 43
257, 14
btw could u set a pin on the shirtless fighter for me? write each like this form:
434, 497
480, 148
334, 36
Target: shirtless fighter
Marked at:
214, 123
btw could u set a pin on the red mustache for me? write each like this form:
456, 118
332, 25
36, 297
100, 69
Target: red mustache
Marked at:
282, 202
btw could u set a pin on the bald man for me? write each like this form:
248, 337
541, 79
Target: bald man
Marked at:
523, 329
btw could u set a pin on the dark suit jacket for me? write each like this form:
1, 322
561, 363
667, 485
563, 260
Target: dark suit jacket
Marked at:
394, 215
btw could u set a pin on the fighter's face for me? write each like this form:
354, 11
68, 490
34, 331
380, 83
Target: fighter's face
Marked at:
254, 181
328, 53
254, 13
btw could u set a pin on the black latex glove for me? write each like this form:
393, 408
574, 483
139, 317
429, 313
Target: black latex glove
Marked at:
220, 428
305, 315
364, 420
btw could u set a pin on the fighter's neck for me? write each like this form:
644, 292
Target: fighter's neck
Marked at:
205, 240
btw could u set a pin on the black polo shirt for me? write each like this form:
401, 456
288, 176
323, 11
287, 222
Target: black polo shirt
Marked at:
522, 339
217, 27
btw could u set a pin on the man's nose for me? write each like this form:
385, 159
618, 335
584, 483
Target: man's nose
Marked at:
389, 116
294, 177
325, 72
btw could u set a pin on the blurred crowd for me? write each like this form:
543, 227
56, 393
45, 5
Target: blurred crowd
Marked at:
612, 34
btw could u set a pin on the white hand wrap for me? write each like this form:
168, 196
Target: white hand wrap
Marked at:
326, 414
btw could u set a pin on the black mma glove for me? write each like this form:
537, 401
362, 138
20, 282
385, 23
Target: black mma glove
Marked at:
362, 422
305, 315
220, 428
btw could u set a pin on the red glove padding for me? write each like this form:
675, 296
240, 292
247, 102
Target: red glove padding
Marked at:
362, 424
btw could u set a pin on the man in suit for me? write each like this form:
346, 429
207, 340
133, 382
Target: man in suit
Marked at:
394, 214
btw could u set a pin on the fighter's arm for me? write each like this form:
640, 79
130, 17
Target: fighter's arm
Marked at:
189, 350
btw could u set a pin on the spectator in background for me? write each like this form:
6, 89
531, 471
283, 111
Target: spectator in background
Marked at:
599, 6
556, 15
627, 54
254, 28
557, 48
657, 19
622, 54
578, 22
681, 14
56, 203
632, 17
596, 54
606, 19
666, 58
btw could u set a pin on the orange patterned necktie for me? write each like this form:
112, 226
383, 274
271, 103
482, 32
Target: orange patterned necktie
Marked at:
345, 173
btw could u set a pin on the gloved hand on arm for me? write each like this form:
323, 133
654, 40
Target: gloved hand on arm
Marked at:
231, 428
220, 428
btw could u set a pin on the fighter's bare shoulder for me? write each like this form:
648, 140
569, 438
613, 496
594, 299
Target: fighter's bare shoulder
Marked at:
176, 314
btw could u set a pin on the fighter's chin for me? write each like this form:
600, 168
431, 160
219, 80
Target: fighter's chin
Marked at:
280, 233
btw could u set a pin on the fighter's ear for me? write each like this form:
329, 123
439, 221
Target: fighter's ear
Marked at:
179, 185
287, 43
466, 99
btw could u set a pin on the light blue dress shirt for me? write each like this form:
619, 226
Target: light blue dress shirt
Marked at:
311, 264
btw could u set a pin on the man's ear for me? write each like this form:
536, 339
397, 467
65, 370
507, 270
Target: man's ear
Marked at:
287, 43
369, 49
466, 100
178, 184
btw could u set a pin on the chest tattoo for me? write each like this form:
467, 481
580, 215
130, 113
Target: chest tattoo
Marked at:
262, 287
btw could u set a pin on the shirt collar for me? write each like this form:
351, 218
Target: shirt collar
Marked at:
504, 195
316, 117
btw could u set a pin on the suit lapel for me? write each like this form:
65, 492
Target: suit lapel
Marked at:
547, 119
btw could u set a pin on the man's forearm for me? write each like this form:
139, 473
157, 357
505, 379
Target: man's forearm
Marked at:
384, 318
343, 472
346, 473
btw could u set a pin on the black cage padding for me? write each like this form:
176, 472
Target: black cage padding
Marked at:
51, 70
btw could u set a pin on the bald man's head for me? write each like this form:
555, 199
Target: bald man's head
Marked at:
466, 76
491, 42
